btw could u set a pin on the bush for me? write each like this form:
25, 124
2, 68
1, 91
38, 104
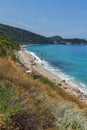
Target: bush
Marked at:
13, 57
7, 107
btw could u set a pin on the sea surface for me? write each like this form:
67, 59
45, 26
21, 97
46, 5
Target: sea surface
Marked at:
69, 62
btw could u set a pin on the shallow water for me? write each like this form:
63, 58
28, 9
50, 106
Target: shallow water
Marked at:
68, 61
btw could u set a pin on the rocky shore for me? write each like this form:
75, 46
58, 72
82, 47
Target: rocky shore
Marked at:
29, 61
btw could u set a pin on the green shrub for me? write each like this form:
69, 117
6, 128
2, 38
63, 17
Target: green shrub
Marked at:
68, 117
6, 47
8, 106
13, 57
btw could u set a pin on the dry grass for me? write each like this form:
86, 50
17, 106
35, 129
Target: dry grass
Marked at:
47, 105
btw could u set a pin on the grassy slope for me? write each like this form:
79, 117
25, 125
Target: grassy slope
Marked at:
39, 103
7, 48
34, 102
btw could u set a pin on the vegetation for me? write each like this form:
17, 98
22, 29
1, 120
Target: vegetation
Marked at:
56, 39
7, 48
60, 40
8, 106
34, 102
21, 36
75, 41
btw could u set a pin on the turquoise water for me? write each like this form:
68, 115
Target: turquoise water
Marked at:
71, 60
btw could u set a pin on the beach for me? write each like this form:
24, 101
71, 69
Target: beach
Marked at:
30, 62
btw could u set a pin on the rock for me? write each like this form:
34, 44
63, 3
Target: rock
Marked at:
85, 95
63, 81
65, 87
33, 64
59, 84
29, 72
76, 90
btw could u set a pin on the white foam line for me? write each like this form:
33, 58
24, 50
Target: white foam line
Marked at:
68, 79
57, 72
37, 59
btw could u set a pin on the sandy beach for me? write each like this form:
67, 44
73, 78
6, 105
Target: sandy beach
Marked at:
29, 61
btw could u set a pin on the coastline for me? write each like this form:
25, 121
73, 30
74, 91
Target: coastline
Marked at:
29, 61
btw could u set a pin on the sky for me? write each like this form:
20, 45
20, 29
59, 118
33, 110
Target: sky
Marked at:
66, 18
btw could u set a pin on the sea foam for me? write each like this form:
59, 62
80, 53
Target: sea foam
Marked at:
59, 73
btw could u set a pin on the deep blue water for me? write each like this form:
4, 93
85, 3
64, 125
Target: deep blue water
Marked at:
69, 59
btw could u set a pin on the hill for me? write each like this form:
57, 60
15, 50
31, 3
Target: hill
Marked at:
56, 39
75, 41
21, 36
60, 40
31, 101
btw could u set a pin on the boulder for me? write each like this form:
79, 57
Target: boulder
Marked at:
29, 72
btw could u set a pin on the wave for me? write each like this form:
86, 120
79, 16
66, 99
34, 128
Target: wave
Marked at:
70, 80
37, 59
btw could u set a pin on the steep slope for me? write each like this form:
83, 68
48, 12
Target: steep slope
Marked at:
21, 36
6, 47
32, 102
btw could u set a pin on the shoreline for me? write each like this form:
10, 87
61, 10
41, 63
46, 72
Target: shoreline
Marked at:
29, 61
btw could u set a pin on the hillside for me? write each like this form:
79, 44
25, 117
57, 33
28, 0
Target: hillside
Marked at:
56, 39
7, 47
21, 36
60, 40
75, 41
31, 101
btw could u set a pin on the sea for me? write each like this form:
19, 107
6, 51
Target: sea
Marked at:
69, 62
